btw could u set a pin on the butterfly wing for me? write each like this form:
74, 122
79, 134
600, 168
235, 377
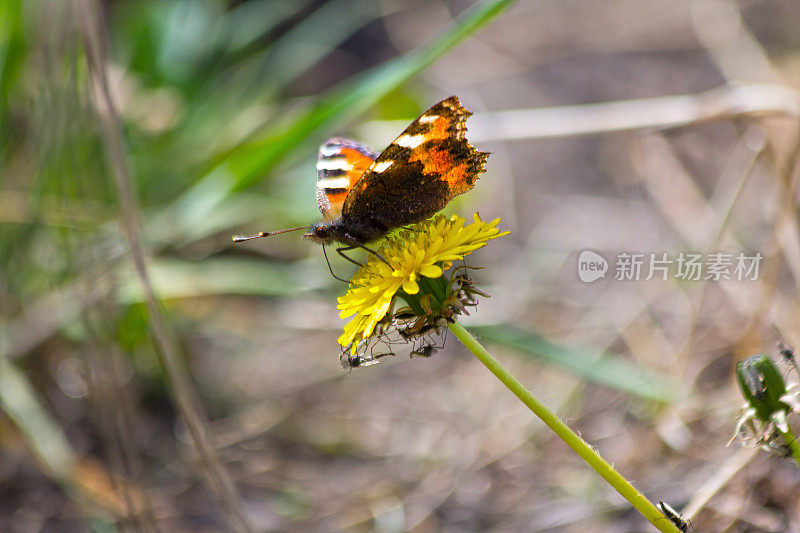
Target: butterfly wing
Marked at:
419, 173
340, 164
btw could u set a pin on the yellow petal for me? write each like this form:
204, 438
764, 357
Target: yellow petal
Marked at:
410, 286
422, 250
431, 271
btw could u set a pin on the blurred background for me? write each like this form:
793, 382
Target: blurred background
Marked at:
154, 376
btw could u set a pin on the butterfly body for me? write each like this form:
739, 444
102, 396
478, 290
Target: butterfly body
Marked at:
346, 232
363, 194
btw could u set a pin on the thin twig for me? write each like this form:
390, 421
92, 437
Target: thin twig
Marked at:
726, 102
718, 480
217, 478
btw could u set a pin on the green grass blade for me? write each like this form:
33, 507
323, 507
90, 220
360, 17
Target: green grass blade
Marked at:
242, 83
352, 97
603, 369
215, 276
20, 401
246, 164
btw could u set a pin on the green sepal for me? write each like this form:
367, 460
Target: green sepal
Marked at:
762, 385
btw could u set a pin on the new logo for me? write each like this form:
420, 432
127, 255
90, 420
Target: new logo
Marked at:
591, 266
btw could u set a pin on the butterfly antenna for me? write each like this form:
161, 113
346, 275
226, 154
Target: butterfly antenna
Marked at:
242, 238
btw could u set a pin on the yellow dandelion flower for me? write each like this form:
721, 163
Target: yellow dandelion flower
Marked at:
426, 250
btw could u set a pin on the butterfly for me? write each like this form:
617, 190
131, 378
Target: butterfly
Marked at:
363, 194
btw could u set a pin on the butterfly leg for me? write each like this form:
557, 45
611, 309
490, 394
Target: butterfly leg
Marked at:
353, 243
329, 266
376, 254
343, 249
353, 247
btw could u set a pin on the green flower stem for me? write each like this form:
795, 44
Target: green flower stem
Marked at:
586, 452
791, 442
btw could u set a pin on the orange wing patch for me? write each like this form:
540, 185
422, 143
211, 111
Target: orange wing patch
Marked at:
444, 150
359, 164
356, 164
439, 129
340, 165
459, 180
439, 161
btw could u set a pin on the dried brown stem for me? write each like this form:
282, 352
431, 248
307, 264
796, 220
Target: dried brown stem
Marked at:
216, 477
726, 102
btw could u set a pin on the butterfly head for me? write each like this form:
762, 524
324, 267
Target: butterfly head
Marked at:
322, 232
